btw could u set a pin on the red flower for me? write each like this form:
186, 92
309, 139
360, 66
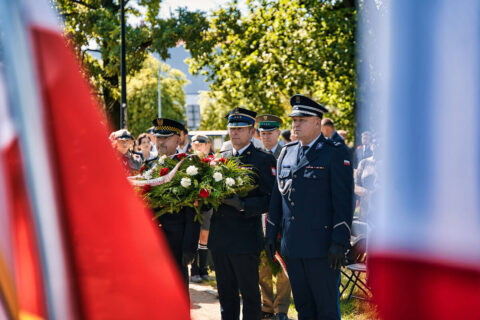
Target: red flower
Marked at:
146, 188
204, 193
211, 156
180, 156
206, 160
164, 171
142, 168
222, 160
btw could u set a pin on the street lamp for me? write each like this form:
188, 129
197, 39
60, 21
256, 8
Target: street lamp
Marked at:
123, 69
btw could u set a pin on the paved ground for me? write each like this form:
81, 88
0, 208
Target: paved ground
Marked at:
205, 305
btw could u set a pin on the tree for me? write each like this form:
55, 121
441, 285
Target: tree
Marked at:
281, 47
97, 22
143, 95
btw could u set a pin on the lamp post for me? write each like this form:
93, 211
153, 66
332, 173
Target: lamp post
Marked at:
123, 69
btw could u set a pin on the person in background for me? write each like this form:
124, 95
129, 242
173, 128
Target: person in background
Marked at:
152, 139
293, 136
202, 146
180, 229
274, 306
184, 145
146, 152
286, 137
366, 181
268, 126
363, 151
122, 141
329, 132
343, 133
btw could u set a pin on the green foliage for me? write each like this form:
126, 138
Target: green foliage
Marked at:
94, 26
143, 95
280, 48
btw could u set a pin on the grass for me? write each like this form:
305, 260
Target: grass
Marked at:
354, 309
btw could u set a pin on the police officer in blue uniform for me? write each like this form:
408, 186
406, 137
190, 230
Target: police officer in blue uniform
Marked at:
236, 236
312, 207
180, 229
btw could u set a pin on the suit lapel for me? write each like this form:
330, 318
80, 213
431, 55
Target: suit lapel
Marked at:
277, 152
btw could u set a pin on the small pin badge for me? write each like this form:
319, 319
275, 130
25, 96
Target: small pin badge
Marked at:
319, 146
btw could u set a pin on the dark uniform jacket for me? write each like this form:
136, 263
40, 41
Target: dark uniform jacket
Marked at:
316, 205
181, 227
132, 162
336, 137
232, 231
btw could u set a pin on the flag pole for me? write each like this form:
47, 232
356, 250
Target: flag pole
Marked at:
123, 69
28, 115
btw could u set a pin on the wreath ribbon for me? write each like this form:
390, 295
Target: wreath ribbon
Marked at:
157, 181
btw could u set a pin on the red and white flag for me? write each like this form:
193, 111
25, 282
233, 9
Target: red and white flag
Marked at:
85, 246
423, 62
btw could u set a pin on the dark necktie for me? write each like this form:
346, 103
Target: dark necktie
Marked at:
269, 152
301, 153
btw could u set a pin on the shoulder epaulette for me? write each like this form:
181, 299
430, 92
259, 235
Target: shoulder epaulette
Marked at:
291, 144
261, 150
333, 143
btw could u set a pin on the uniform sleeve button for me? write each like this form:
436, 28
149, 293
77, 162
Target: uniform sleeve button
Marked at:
292, 218
314, 176
293, 189
292, 204
294, 176
326, 227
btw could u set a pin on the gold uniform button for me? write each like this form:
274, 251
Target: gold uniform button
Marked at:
326, 227
292, 218
292, 204
293, 189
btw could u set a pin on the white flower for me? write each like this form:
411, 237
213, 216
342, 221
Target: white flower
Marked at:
148, 175
186, 182
192, 170
229, 182
161, 161
239, 181
217, 176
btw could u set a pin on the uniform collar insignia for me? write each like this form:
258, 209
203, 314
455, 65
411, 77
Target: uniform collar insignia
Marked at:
319, 146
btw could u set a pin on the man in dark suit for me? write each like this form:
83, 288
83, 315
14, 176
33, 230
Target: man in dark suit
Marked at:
329, 132
312, 207
180, 229
274, 306
235, 238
